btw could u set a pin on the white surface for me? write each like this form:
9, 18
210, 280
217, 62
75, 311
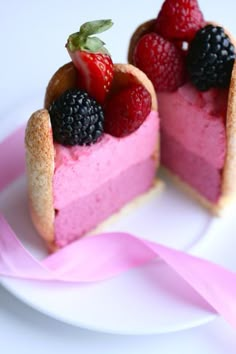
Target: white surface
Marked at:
32, 35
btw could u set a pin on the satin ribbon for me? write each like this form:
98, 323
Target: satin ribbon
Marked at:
85, 261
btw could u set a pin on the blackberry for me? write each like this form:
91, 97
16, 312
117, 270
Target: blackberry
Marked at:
210, 58
76, 118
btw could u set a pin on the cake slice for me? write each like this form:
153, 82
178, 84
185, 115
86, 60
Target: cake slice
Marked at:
72, 189
192, 66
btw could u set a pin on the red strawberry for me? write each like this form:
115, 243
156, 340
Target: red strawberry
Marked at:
126, 110
92, 60
161, 61
179, 19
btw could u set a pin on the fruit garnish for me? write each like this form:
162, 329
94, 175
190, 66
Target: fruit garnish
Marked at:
91, 59
210, 58
126, 110
161, 61
76, 118
179, 19
144, 28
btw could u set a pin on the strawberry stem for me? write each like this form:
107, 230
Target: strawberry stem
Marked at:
82, 41
95, 27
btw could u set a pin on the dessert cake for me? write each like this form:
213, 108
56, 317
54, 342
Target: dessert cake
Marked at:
95, 145
191, 64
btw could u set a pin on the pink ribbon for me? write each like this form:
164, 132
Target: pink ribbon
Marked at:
86, 261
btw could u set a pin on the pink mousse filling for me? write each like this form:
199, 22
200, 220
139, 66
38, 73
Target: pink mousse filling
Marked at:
191, 168
92, 182
194, 137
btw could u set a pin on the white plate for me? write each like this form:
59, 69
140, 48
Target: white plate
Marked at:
151, 299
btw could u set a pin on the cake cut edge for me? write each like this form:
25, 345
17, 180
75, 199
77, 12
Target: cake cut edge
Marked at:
156, 189
215, 209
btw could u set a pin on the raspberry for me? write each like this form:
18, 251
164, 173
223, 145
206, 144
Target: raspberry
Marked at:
76, 118
161, 61
179, 19
126, 110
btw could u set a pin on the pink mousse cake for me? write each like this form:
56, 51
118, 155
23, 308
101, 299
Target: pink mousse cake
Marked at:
192, 67
193, 142
73, 189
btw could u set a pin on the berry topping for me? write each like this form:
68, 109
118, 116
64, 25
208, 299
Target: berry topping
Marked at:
126, 110
161, 61
76, 118
179, 19
91, 59
210, 58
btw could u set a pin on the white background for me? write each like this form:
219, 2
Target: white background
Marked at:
32, 38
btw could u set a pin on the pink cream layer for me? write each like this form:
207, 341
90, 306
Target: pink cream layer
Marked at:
86, 212
194, 136
191, 168
92, 182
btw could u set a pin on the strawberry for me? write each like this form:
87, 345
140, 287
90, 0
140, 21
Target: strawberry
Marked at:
126, 110
179, 19
91, 59
161, 61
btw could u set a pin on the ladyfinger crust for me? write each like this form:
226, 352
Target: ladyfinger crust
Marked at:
40, 169
124, 75
64, 78
40, 149
229, 170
